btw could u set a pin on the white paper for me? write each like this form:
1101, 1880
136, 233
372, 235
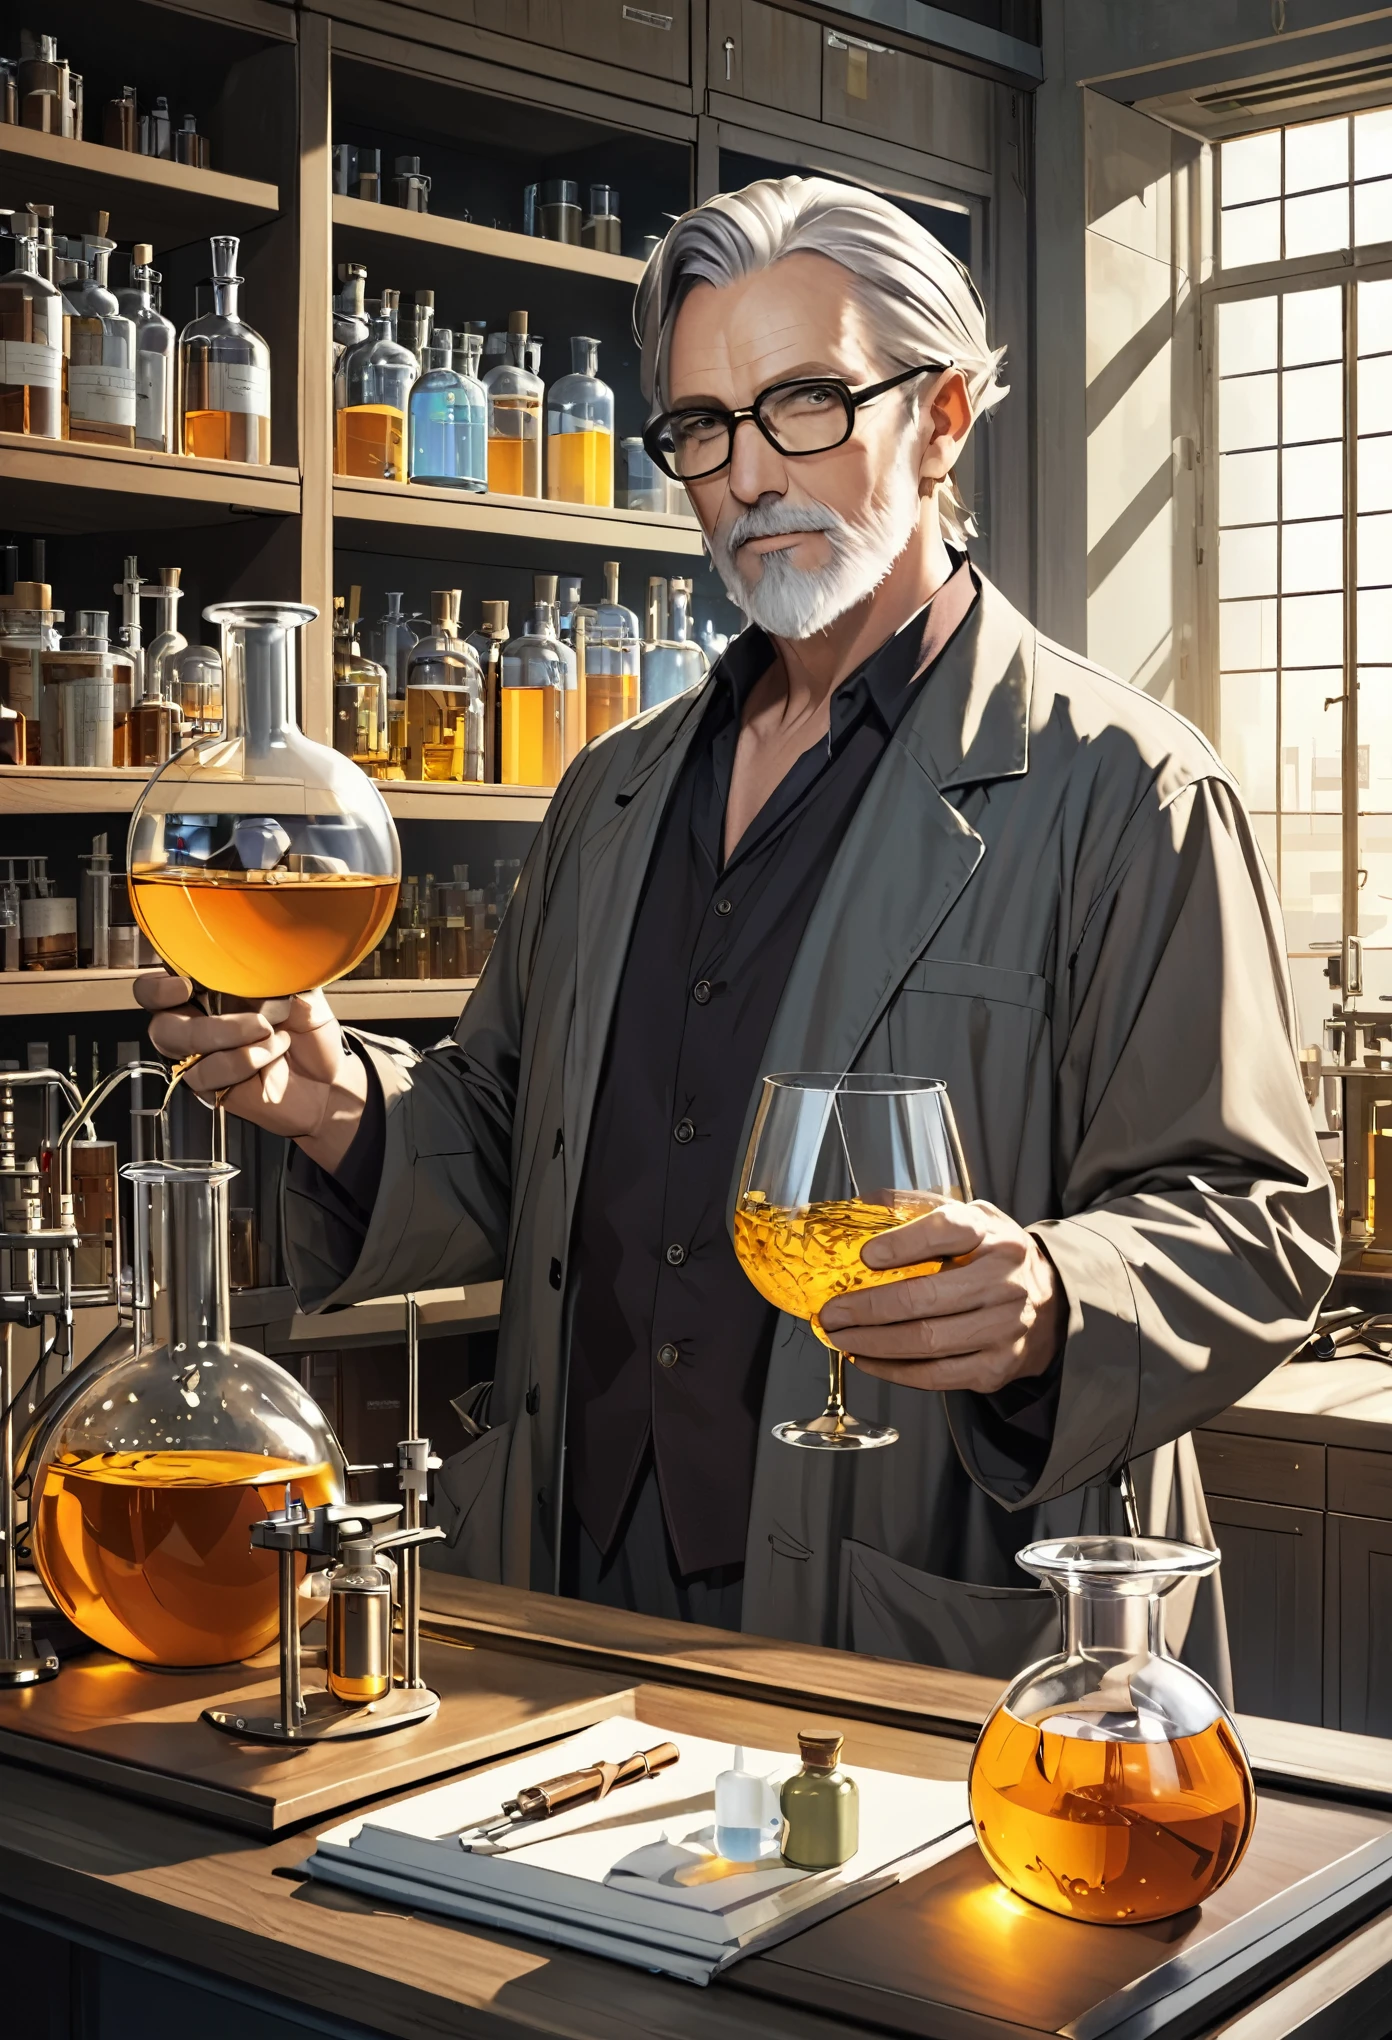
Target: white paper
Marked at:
101, 393
29, 361
239, 386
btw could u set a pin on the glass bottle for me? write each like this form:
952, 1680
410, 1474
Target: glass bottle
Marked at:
418, 325
225, 374
119, 120
42, 81
672, 660
190, 147
644, 486
146, 1488
539, 688
168, 643
514, 418
449, 933
83, 685
444, 700
408, 188
28, 630
350, 321
1109, 1784
261, 863
603, 229
488, 641
360, 696
369, 186
612, 661
200, 690
389, 642
101, 364
560, 210
448, 422
821, 1805
156, 135
371, 390
155, 355
412, 946
33, 342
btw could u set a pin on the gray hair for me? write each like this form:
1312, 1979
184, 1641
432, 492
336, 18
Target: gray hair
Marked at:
920, 300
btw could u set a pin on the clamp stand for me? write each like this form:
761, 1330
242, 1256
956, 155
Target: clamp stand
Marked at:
23, 1661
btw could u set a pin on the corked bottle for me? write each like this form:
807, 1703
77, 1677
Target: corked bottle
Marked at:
821, 1804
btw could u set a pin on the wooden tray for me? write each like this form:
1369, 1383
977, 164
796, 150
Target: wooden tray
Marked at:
138, 1732
952, 1955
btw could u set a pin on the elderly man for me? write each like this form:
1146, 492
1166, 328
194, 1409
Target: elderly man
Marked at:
893, 831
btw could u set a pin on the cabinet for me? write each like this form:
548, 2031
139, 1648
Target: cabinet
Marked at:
902, 98
1273, 1591
655, 39
767, 55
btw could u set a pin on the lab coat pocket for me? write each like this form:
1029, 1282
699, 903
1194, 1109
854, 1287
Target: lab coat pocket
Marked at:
892, 1610
468, 1507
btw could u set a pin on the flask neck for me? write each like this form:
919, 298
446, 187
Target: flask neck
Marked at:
200, 1312
1133, 1624
225, 289
259, 669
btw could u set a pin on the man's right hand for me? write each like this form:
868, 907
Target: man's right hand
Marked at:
299, 1079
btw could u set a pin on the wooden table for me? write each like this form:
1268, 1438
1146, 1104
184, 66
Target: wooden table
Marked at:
119, 1919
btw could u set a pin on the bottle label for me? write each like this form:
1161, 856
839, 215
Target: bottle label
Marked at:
150, 386
239, 386
101, 393
29, 361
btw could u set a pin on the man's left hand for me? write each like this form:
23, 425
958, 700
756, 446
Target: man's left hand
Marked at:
995, 1315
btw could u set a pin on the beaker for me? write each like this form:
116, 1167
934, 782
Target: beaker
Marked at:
146, 1490
1109, 1784
262, 863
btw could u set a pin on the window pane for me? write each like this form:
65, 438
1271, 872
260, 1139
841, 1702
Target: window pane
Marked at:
1312, 404
1247, 719
1375, 316
1375, 394
1252, 168
1247, 412
1312, 327
1252, 234
1247, 335
1246, 635
1312, 630
1375, 624
1246, 488
1375, 552
1375, 474
1318, 222
1312, 557
1247, 561
1372, 212
1317, 154
1310, 878
1311, 735
1313, 481
1375, 734
1372, 143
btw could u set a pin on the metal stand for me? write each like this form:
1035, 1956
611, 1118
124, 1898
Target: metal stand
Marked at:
23, 1662
415, 1464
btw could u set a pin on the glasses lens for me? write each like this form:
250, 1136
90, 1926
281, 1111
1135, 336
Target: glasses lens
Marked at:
692, 443
807, 417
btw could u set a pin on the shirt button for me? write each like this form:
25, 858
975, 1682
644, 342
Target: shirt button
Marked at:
666, 1356
701, 991
676, 1254
683, 1131
724, 906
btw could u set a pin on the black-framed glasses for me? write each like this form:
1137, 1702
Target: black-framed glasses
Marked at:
807, 414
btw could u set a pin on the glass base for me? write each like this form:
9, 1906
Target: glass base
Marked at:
830, 1433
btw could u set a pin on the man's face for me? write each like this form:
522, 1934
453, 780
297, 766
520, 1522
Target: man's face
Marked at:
797, 541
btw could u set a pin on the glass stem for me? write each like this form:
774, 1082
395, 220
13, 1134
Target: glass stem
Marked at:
836, 1371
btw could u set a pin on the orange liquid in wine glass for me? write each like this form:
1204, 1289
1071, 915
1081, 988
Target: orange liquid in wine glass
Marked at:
800, 1257
261, 935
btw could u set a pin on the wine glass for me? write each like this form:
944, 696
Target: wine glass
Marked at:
833, 1160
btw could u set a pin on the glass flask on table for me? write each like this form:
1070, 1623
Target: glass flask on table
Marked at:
372, 386
541, 698
261, 863
580, 431
360, 726
613, 651
33, 342
832, 1162
225, 374
448, 422
1110, 1784
145, 1490
444, 700
514, 418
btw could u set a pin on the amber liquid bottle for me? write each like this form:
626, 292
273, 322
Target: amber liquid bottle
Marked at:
225, 375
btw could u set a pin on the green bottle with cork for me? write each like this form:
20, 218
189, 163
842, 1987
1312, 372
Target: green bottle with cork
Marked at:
821, 1804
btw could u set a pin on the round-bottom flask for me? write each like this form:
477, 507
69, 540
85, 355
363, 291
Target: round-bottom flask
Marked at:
149, 1483
1109, 1784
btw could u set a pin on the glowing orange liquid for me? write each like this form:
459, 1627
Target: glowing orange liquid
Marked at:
580, 467
610, 699
262, 935
149, 1553
1108, 1831
514, 459
799, 1259
533, 735
228, 435
369, 440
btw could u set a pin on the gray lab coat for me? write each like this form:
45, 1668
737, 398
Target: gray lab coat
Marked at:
1051, 897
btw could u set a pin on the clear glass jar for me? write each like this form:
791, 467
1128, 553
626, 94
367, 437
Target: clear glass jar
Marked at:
603, 229
33, 345
514, 418
200, 690
146, 1488
225, 374
444, 700
27, 632
448, 422
672, 660
612, 660
540, 697
262, 863
101, 364
580, 431
1109, 1784
372, 387
82, 687
488, 641
559, 211
156, 356
389, 642
350, 321
360, 699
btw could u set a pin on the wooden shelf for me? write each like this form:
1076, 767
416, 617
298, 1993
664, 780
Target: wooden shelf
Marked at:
426, 801
463, 237
416, 509
25, 992
49, 485
100, 790
167, 204
400, 998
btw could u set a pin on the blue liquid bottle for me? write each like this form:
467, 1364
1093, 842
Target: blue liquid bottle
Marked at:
448, 416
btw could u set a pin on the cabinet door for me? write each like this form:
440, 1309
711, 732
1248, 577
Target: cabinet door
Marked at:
655, 39
1360, 1624
760, 53
902, 98
1273, 1593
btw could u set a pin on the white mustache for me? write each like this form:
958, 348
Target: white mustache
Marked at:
774, 520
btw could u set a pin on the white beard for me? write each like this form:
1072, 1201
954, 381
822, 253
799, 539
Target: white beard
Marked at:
797, 602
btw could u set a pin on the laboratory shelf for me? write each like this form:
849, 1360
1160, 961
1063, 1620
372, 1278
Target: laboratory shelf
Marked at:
27, 992
61, 485
392, 222
104, 790
429, 801
420, 511
400, 998
167, 204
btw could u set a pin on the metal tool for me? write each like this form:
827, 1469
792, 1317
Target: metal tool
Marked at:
554, 1796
